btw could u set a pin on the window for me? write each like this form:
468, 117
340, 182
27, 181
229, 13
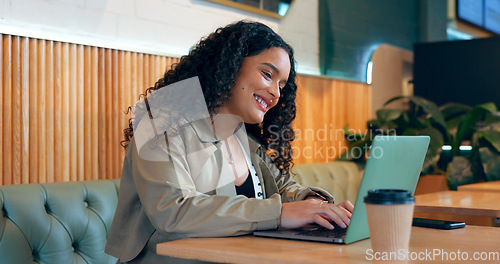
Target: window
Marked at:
271, 8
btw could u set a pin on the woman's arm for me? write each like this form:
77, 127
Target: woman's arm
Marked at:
302, 205
169, 198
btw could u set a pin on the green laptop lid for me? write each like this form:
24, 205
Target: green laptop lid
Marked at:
394, 162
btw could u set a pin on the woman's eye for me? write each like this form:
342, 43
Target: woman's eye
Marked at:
266, 74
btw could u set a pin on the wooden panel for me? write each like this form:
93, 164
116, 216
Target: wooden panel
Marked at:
94, 110
324, 107
2, 151
62, 109
50, 102
72, 117
87, 150
58, 153
80, 110
111, 102
16, 109
41, 99
65, 112
33, 108
7, 125
102, 117
25, 115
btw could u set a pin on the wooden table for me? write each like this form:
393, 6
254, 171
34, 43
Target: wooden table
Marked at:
461, 203
493, 186
250, 249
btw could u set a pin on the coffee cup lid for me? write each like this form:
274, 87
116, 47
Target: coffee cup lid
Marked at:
389, 196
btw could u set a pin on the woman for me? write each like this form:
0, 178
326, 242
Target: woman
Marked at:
247, 76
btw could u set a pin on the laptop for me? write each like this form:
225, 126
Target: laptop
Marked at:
394, 162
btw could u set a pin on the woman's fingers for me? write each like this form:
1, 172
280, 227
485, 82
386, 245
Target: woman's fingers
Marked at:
347, 205
345, 211
296, 214
322, 221
340, 214
336, 214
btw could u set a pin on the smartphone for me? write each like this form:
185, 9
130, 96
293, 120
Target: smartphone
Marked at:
438, 224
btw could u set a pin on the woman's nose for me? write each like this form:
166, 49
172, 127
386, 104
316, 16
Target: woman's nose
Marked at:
275, 90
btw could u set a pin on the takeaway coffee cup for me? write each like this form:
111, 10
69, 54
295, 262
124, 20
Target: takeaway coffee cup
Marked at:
390, 215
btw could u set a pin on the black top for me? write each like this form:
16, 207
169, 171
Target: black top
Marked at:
246, 188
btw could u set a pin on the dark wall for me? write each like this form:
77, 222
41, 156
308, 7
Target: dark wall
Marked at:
350, 30
464, 72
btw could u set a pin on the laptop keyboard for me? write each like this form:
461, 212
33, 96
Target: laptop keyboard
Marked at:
324, 232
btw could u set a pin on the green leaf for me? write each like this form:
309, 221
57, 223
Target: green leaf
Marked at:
491, 163
413, 122
434, 150
410, 131
492, 120
395, 99
493, 137
467, 126
459, 172
452, 125
387, 115
437, 140
452, 110
430, 108
490, 107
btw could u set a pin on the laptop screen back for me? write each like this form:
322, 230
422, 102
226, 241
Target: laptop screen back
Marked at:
394, 162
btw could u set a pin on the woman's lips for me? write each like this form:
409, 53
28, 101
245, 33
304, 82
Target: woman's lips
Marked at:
261, 102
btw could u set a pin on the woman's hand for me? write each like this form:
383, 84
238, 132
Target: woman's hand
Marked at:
314, 210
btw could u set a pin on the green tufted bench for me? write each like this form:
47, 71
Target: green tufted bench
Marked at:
57, 223
340, 178
65, 223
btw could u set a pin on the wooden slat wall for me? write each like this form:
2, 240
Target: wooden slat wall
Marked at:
62, 109
324, 107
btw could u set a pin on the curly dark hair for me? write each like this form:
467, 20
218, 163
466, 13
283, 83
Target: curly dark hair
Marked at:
216, 60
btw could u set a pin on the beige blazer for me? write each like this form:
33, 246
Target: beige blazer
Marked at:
184, 193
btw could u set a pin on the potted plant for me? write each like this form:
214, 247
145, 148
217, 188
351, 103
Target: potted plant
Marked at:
451, 125
479, 128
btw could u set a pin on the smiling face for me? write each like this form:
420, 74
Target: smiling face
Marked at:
258, 85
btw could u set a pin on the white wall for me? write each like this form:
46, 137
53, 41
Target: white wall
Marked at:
166, 27
300, 28
392, 69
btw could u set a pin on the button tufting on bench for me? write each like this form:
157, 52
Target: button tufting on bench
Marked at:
4, 212
47, 220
